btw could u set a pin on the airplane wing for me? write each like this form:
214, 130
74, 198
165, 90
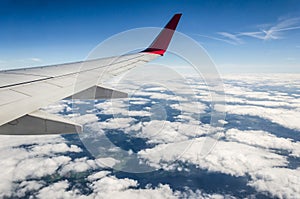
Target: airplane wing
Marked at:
23, 92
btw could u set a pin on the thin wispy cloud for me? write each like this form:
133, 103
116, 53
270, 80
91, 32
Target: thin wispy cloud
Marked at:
219, 39
263, 35
233, 38
274, 31
35, 59
29, 60
265, 32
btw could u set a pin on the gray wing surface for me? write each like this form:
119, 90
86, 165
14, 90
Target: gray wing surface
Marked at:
23, 92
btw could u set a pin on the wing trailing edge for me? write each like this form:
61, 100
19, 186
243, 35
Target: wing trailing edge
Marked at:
40, 123
98, 92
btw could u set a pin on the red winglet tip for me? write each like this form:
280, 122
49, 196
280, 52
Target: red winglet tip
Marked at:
162, 41
173, 22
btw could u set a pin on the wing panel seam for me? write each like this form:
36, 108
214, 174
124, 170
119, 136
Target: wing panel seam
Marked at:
43, 79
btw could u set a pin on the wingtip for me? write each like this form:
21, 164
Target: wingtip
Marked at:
162, 41
173, 22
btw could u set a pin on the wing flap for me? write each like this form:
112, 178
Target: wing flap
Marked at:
40, 123
98, 92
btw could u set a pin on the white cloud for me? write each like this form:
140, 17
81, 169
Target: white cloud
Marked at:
241, 153
190, 107
232, 37
98, 175
218, 39
283, 117
223, 122
52, 148
38, 167
138, 100
58, 190
274, 32
39, 159
85, 119
263, 139
279, 182
78, 165
108, 187
35, 59
156, 89
126, 188
57, 107
28, 186
160, 131
117, 123
107, 162
271, 32
157, 95
227, 157
104, 185
116, 107
201, 195
112, 187
238, 159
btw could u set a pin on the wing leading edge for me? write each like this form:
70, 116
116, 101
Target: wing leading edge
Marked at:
24, 91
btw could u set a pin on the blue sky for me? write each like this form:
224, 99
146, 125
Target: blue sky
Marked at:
240, 36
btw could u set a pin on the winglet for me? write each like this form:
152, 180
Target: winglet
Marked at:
162, 41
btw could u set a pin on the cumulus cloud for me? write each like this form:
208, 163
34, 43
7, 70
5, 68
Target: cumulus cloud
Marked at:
160, 131
53, 148
57, 107
98, 175
279, 182
264, 167
264, 139
78, 165
107, 187
283, 117
38, 167
58, 190
116, 107
85, 119
25, 163
39, 160
117, 123
251, 154
190, 107
107, 162
227, 157
156, 89
28, 186
274, 97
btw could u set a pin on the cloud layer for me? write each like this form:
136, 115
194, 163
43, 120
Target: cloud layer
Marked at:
267, 159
